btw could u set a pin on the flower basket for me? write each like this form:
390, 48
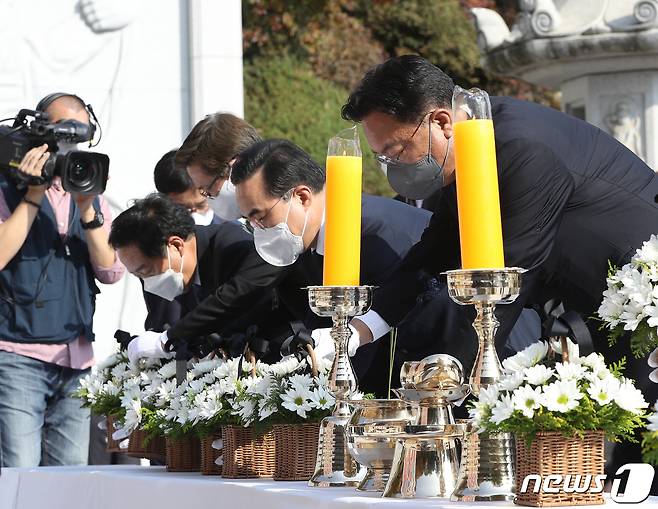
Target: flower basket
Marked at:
209, 454
296, 447
139, 447
183, 454
112, 445
248, 454
551, 453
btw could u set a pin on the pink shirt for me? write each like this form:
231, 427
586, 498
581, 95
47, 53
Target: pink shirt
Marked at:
77, 354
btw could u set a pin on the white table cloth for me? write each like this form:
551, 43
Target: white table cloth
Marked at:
133, 487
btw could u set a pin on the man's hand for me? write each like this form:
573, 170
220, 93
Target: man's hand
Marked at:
151, 345
32, 165
652, 361
324, 343
85, 203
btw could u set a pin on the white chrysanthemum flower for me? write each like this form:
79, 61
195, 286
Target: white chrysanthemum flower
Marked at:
651, 312
264, 411
561, 396
594, 361
527, 358
572, 349
648, 253
165, 392
286, 366
259, 386
527, 399
570, 370
111, 389
206, 366
168, 370
603, 391
322, 399
630, 398
110, 361
511, 380
297, 399
632, 315
476, 414
488, 395
245, 409
502, 410
301, 382
653, 419
538, 375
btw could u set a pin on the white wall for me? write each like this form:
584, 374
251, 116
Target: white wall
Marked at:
137, 62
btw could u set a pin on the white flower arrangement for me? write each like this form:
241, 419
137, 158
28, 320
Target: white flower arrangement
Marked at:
630, 302
100, 390
540, 393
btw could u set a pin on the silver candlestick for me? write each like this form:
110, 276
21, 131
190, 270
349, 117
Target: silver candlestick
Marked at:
334, 465
487, 466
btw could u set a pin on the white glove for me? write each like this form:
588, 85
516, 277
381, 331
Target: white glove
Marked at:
652, 361
150, 344
324, 344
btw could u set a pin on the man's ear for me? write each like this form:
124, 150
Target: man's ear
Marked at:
304, 194
442, 118
177, 242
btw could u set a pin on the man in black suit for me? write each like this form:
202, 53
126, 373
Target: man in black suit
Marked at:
280, 189
572, 197
214, 272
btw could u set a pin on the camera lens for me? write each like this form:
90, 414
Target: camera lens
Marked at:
81, 175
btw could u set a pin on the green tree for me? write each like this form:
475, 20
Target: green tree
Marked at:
284, 99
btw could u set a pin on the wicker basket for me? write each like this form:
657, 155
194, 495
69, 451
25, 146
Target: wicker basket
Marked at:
112, 445
209, 455
247, 454
155, 449
183, 454
551, 453
295, 452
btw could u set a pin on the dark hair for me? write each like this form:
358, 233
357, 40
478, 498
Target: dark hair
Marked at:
170, 178
214, 141
284, 166
149, 223
405, 87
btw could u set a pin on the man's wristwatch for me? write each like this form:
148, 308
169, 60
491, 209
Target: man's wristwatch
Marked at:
97, 222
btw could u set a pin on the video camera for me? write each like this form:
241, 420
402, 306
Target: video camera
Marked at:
81, 172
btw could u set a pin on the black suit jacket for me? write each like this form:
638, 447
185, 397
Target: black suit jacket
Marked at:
235, 290
389, 229
572, 198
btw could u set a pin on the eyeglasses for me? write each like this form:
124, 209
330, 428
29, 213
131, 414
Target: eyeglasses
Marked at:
258, 223
387, 160
206, 192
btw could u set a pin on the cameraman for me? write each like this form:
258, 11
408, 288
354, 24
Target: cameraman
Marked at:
53, 248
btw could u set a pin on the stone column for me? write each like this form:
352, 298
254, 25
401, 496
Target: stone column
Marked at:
601, 55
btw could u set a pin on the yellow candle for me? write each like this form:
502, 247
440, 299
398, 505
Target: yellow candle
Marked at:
342, 227
478, 200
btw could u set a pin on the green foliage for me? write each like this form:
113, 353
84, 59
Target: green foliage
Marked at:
438, 30
650, 447
284, 99
105, 404
617, 423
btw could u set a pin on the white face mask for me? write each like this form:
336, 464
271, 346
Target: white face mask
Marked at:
169, 284
224, 204
278, 245
203, 219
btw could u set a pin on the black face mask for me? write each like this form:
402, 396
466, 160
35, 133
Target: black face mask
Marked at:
419, 180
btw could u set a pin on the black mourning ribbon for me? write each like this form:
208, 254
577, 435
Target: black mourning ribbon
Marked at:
557, 322
299, 341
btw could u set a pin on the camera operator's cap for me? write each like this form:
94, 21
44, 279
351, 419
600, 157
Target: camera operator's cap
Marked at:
46, 101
